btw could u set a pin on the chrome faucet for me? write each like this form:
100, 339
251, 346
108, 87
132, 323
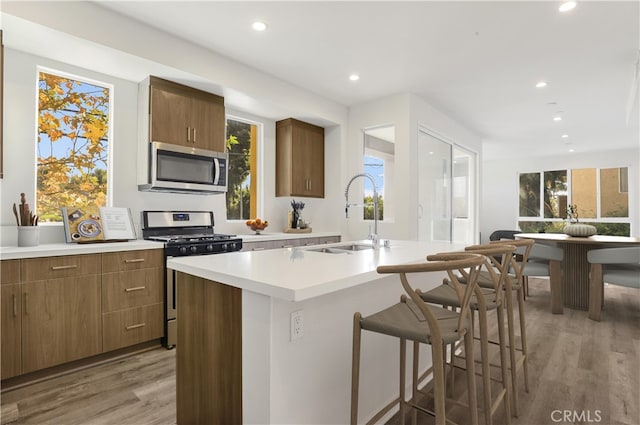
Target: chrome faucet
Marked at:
372, 236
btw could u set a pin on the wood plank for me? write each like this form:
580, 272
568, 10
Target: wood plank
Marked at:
209, 354
9, 272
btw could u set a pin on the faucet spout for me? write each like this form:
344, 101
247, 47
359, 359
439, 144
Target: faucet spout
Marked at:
372, 236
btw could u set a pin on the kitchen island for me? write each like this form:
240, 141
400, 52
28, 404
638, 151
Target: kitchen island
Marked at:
238, 360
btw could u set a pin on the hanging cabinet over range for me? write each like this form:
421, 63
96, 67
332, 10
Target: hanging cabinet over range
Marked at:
299, 159
185, 116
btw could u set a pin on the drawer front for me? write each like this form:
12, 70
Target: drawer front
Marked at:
9, 272
132, 260
132, 326
58, 267
135, 288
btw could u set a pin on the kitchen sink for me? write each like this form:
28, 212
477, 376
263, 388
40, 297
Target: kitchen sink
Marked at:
342, 249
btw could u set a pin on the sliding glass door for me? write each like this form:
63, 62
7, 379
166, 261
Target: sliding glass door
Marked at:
446, 190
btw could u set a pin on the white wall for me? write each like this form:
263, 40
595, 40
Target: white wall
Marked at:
407, 112
124, 58
499, 208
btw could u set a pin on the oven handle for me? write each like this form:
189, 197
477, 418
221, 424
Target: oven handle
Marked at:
171, 294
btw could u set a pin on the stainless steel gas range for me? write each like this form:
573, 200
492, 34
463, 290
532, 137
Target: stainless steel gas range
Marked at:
183, 233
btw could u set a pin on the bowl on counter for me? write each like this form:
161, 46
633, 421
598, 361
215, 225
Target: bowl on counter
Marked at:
257, 225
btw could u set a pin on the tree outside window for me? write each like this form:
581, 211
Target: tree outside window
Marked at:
73, 131
242, 178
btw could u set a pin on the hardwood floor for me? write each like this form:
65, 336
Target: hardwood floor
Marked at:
590, 369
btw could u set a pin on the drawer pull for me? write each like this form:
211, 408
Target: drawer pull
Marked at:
139, 325
258, 249
135, 260
26, 303
287, 246
137, 288
70, 266
15, 305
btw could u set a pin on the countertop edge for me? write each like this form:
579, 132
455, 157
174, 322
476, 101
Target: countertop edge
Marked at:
58, 249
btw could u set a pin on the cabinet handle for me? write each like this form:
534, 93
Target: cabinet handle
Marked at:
258, 249
26, 303
15, 305
135, 260
139, 325
194, 134
71, 266
136, 288
188, 134
287, 246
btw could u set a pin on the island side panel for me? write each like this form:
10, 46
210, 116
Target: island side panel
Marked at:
209, 352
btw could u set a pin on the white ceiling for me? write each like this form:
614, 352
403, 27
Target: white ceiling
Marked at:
476, 61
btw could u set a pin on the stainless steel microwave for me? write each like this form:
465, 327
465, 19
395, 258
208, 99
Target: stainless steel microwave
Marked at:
181, 169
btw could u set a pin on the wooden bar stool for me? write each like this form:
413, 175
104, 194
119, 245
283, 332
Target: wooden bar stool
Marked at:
514, 282
496, 266
413, 319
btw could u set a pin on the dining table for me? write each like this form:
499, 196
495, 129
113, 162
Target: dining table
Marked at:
575, 292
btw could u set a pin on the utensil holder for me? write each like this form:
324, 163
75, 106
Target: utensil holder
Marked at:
28, 235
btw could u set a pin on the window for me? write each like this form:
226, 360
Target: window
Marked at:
73, 144
242, 146
601, 197
378, 162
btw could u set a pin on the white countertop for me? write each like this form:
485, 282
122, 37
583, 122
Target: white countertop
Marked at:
56, 249
296, 274
268, 236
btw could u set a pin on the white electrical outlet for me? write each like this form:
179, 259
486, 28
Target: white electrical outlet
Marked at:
297, 325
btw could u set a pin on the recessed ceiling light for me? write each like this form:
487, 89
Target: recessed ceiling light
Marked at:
541, 84
572, 150
259, 26
354, 77
567, 6
564, 136
557, 118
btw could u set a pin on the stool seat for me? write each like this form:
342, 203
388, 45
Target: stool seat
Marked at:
446, 295
485, 281
405, 320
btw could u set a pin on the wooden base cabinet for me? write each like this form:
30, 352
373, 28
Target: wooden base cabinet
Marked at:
132, 297
11, 310
59, 309
61, 316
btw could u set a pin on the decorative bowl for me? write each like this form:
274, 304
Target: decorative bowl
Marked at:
257, 225
579, 230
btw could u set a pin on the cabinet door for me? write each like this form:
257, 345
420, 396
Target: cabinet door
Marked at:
11, 331
169, 118
61, 321
208, 125
315, 148
300, 161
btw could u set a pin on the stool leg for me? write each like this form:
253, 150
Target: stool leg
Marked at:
403, 374
355, 368
471, 377
414, 385
438, 382
486, 373
503, 364
523, 338
512, 350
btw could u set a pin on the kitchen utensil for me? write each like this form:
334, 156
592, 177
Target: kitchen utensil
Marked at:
15, 212
24, 210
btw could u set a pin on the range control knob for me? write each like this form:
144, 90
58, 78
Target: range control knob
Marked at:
232, 246
210, 248
223, 247
194, 249
183, 250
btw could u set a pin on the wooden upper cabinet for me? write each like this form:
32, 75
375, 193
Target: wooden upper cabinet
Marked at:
299, 159
186, 116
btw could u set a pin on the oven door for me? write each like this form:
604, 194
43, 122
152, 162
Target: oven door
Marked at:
171, 317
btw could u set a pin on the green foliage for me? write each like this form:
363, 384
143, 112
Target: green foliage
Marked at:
608, 229
239, 149
368, 208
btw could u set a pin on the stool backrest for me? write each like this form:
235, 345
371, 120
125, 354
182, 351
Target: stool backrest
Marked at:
450, 262
523, 250
497, 261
